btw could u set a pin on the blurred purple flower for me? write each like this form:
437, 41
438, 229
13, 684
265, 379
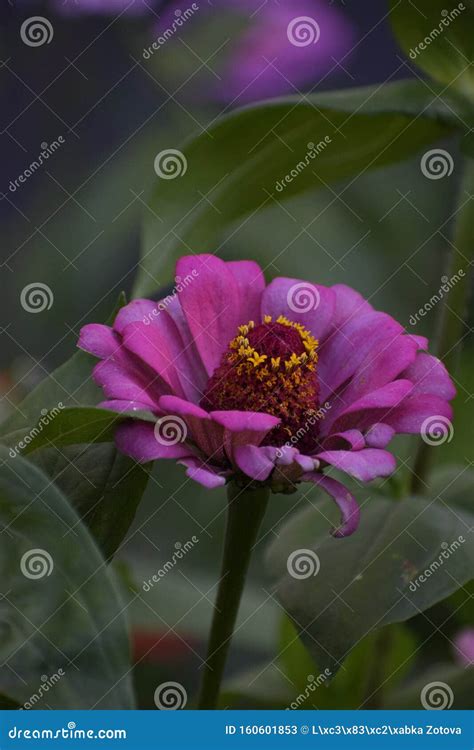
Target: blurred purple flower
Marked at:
464, 647
100, 7
288, 44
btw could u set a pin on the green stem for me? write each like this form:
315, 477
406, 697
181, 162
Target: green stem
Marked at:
246, 508
452, 314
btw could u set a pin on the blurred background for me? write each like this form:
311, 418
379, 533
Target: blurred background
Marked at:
75, 224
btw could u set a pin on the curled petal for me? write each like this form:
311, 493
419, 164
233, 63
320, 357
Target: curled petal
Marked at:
203, 473
350, 512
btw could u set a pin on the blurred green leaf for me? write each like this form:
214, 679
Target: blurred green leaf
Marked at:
364, 580
439, 38
60, 609
380, 661
70, 385
233, 169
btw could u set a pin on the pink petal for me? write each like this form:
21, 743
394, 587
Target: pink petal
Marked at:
151, 343
350, 512
410, 416
251, 284
203, 474
99, 340
207, 435
375, 407
137, 439
349, 303
379, 435
429, 375
352, 349
302, 302
199, 374
364, 465
243, 427
137, 310
420, 341
211, 304
352, 439
121, 378
257, 463
381, 367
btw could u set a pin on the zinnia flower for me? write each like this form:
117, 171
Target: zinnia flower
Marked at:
266, 383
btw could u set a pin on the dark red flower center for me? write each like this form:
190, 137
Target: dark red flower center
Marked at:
271, 368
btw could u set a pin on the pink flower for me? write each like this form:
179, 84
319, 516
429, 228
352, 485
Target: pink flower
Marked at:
273, 383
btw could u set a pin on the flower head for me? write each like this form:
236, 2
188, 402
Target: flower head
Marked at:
266, 383
278, 47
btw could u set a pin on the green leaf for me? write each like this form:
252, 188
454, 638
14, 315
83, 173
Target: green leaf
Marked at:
379, 662
71, 426
103, 486
61, 618
234, 168
370, 579
439, 38
83, 424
